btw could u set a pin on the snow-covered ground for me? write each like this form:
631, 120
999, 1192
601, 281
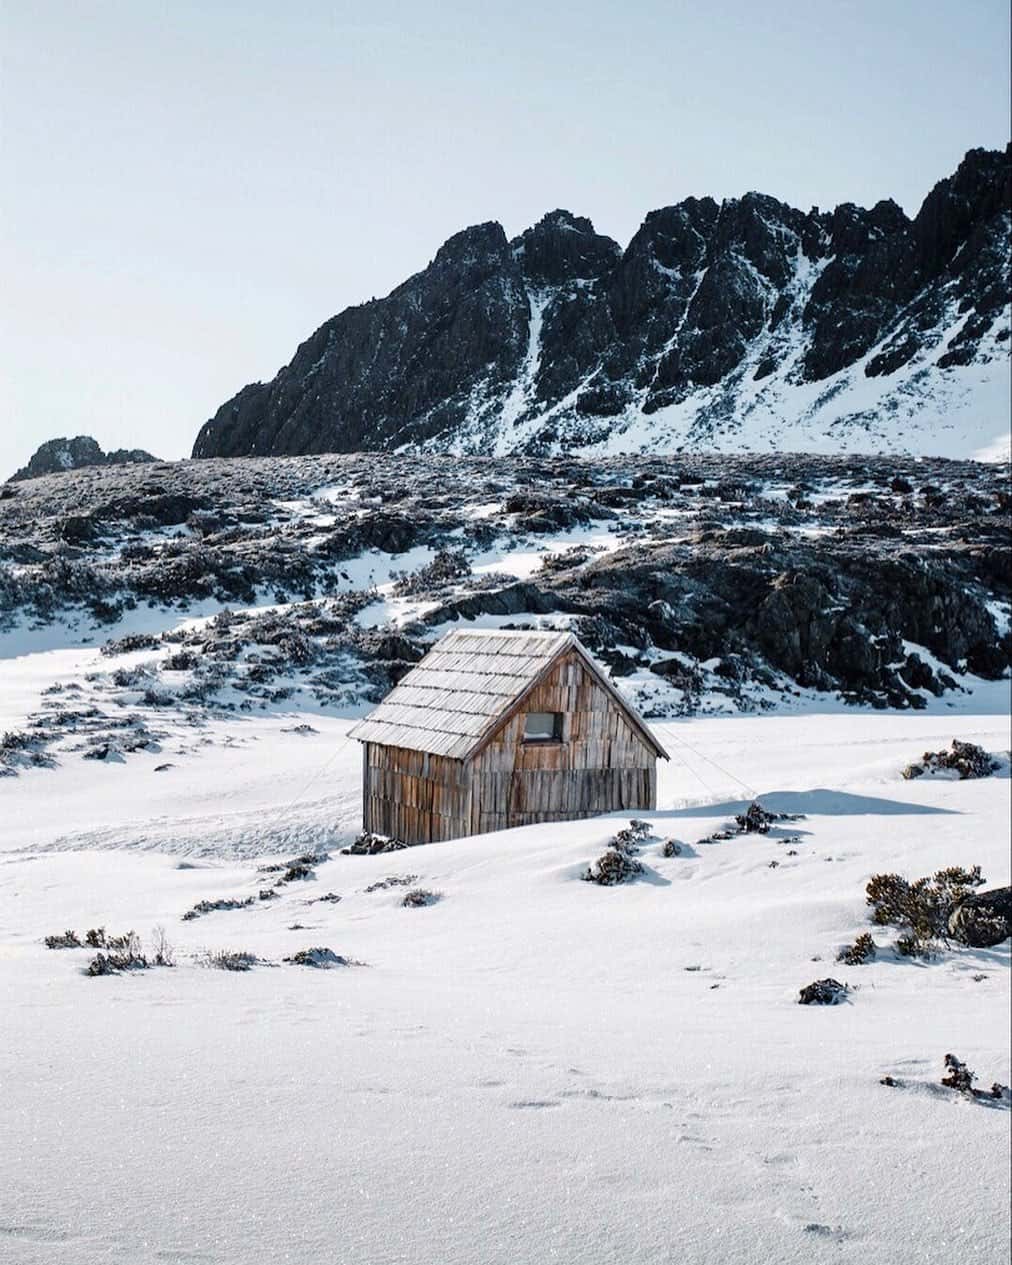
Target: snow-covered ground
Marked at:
533, 1069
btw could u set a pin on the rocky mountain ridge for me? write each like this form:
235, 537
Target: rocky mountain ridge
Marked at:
76, 454
742, 325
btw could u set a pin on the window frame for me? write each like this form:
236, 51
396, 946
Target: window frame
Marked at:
557, 735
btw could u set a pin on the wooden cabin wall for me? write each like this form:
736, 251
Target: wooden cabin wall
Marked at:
602, 764
413, 796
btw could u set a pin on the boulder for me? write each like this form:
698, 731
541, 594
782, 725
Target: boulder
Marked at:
983, 919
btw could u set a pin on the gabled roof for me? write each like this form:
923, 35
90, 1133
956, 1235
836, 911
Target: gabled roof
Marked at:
453, 701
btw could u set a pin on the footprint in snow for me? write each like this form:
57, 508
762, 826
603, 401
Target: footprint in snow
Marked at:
37, 1234
816, 1229
835, 1233
692, 1140
599, 1095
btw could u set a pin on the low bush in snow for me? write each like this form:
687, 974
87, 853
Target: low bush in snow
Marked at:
320, 957
99, 938
367, 844
21, 748
757, 820
305, 859
292, 871
130, 643
671, 848
394, 880
231, 960
124, 955
920, 908
632, 837
862, 950
162, 952
965, 759
959, 1077
613, 867
298, 870
209, 906
418, 897
824, 992
181, 661
130, 678
909, 945
115, 963
68, 940
618, 863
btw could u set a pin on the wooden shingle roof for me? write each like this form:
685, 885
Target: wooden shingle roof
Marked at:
453, 700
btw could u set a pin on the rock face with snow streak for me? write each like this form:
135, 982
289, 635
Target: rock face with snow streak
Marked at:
737, 325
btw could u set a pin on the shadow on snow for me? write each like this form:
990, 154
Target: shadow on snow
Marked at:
818, 802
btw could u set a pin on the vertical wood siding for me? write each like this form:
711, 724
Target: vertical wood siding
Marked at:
415, 796
602, 764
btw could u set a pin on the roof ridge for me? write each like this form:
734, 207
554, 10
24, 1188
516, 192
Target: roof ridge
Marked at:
505, 632
453, 731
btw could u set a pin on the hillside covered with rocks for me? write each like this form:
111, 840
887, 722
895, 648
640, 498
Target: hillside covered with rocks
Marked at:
706, 584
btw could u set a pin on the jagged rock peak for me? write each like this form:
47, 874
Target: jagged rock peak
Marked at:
73, 454
563, 247
742, 323
563, 220
477, 244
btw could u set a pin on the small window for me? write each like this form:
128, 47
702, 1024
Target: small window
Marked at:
543, 727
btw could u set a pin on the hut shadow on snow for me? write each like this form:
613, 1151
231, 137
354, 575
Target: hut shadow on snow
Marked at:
817, 802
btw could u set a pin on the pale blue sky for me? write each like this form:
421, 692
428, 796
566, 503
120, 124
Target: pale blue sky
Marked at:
190, 189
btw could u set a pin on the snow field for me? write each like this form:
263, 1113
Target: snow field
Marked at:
533, 1069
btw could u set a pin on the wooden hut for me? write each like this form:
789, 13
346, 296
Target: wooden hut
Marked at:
499, 729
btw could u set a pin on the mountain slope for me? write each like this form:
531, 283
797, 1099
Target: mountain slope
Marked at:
741, 325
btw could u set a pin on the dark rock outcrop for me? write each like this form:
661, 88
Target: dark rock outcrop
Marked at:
559, 338
983, 919
74, 454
